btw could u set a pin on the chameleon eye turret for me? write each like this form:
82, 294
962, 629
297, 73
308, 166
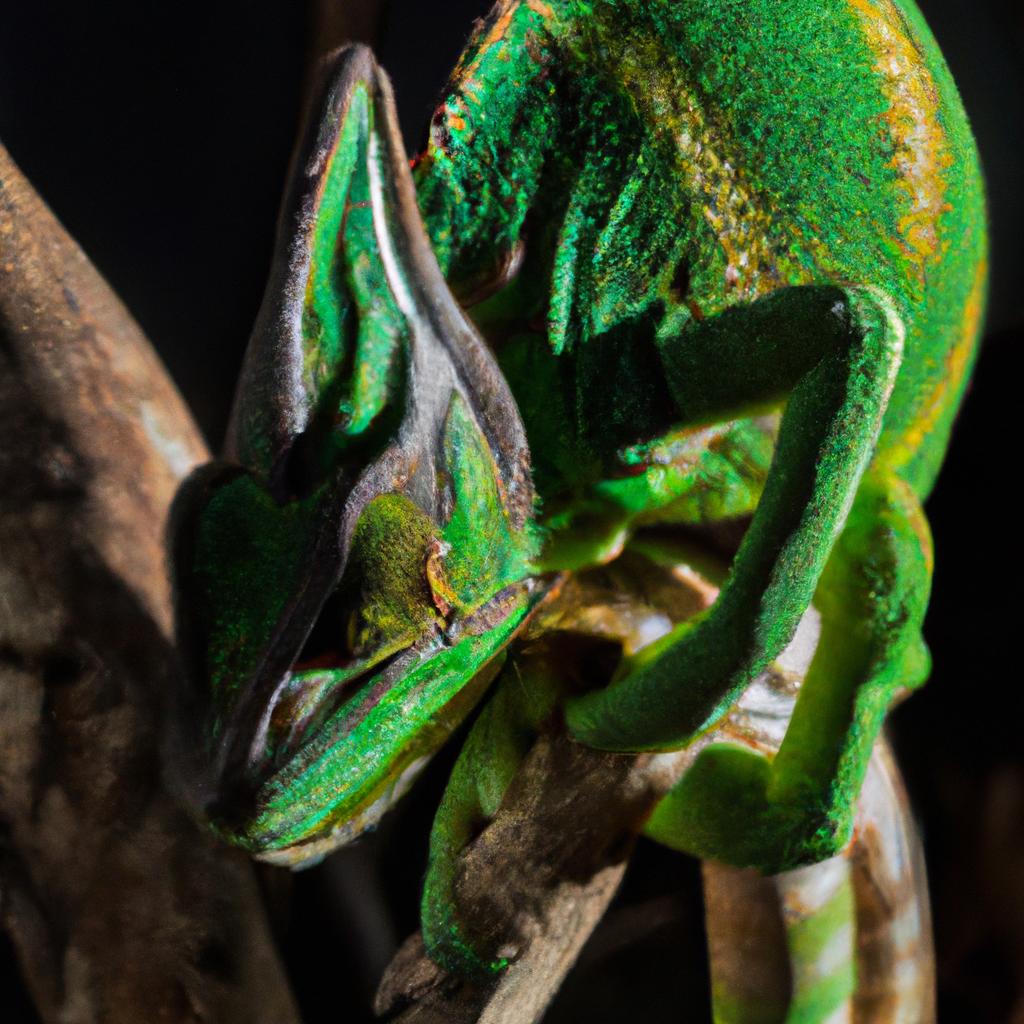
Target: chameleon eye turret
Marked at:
363, 549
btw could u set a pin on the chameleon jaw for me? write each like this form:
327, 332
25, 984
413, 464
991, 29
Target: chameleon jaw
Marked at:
370, 746
311, 852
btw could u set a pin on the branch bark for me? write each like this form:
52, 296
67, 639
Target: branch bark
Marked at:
538, 879
544, 871
119, 908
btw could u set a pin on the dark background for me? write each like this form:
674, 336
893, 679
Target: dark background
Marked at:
160, 135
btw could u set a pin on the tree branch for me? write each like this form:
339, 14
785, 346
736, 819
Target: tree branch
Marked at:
119, 908
538, 879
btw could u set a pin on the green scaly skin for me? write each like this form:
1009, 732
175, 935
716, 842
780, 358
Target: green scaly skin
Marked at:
705, 236
731, 258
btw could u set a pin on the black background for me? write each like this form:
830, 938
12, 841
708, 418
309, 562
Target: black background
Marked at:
160, 134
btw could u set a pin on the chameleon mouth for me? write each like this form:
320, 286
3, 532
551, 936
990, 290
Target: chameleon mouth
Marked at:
332, 732
325, 676
324, 679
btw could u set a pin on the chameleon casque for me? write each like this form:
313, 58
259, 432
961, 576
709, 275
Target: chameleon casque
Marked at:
721, 258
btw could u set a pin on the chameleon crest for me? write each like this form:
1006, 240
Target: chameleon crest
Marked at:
365, 547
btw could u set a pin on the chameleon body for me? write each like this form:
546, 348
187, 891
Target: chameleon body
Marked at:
730, 260
724, 206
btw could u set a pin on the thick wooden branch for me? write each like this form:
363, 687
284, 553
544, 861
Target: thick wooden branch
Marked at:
536, 882
543, 873
119, 907
890, 949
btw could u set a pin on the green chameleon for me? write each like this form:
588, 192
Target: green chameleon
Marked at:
723, 258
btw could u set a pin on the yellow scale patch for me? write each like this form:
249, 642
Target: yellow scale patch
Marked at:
958, 360
922, 153
739, 217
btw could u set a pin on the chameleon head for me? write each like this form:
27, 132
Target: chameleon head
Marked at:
348, 573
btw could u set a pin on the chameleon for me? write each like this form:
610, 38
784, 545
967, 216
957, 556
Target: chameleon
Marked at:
673, 265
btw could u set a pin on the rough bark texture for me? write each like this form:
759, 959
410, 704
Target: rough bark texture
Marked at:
535, 882
747, 938
895, 952
892, 947
119, 908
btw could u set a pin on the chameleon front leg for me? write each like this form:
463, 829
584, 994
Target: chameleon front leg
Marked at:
836, 352
873, 598
737, 806
500, 739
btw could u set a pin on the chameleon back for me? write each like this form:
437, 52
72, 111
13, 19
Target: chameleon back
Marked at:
694, 155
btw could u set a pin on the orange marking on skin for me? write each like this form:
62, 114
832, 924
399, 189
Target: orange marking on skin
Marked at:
441, 592
695, 311
494, 36
919, 524
958, 360
921, 149
540, 8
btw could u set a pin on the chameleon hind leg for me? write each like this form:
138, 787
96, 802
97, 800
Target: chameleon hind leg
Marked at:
833, 354
737, 806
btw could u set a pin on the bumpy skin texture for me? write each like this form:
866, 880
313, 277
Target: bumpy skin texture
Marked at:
725, 206
669, 161
730, 255
721, 207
